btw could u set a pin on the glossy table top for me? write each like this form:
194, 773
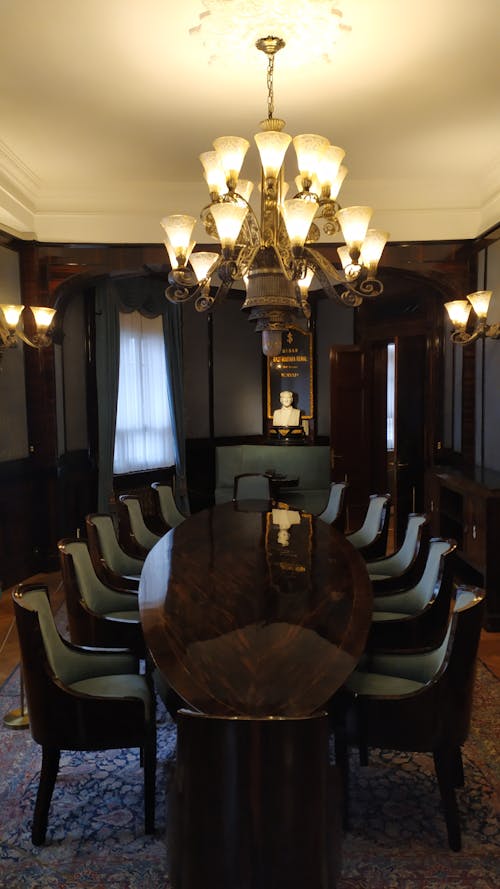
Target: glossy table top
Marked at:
255, 612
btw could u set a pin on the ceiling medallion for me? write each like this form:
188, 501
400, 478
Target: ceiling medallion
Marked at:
310, 28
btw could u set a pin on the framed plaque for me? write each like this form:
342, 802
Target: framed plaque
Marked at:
292, 370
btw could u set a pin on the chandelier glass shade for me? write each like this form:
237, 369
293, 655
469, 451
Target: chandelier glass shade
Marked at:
12, 329
459, 312
273, 254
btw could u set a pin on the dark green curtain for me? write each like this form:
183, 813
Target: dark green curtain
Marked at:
147, 296
172, 330
107, 327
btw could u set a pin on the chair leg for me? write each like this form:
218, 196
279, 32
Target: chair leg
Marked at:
458, 768
48, 775
445, 765
149, 787
342, 761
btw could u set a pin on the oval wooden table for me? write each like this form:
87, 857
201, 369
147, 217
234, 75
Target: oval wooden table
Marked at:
255, 616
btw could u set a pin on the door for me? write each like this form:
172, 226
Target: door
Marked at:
406, 469
357, 425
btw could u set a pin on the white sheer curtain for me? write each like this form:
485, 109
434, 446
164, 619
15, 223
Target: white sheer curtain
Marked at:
143, 437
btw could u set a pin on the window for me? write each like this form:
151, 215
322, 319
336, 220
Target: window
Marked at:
144, 438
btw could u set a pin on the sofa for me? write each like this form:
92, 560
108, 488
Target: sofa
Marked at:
310, 463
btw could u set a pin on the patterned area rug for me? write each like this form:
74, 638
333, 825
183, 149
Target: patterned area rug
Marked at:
397, 838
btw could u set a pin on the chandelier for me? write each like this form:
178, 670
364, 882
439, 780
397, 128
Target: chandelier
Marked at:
273, 255
12, 330
459, 311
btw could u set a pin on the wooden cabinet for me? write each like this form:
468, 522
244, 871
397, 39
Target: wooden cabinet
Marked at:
466, 507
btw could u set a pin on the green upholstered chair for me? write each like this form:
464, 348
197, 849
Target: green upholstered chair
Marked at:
97, 614
112, 564
423, 702
252, 486
167, 507
371, 538
135, 536
403, 567
80, 699
418, 616
335, 510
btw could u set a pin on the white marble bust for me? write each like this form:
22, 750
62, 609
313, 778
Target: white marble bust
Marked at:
286, 415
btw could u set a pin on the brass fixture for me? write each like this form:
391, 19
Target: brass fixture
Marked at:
274, 255
459, 311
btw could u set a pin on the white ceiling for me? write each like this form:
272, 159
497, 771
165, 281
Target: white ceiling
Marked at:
105, 106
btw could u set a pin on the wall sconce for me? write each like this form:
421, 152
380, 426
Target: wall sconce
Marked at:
459, 311
11, 329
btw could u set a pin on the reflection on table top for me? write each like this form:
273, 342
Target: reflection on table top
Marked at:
253, 611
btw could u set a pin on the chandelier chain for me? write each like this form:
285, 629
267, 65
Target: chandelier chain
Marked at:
270, 87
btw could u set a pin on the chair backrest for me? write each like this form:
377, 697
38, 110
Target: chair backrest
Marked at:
168, 507
141, 532
373, 523
400, 561
252, 486
76, 565
433, 578
64, 663
103, 541
335, 502
458, 648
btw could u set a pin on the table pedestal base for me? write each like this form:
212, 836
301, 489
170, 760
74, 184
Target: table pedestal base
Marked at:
255, 804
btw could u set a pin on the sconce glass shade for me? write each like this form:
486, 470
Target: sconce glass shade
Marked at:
43, 317
179, 229
372, 248
171, 255
329, 166
244, 187
305, 282
202, 262
337, 183
351, 269
231, 152
228, 218
213, 172
313, 188
480, 301
298, 216
354, 223
272, 149
458, 311
11, 314
309, 149
271, 342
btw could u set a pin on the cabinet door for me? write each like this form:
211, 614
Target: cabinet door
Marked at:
432, 502
474, 536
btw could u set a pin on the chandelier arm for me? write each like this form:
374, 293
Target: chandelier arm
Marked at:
293, 267
6, 337
327, 213
245, 259
370, 287
205, 302
493, 331
461, 338
40, 341
330, 279
182, 285
251, 226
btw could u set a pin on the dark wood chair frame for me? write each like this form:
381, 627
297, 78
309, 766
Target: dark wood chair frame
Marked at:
86, 626
435, 719
64, 719
111, 578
